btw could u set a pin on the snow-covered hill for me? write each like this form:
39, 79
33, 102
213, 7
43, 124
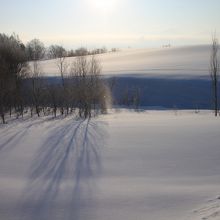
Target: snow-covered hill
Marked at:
165, 77
191, 61
161, 165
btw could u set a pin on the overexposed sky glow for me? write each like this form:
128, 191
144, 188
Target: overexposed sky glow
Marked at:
103, 6
112, 23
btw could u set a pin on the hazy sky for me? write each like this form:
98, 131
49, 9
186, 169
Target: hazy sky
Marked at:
113, 23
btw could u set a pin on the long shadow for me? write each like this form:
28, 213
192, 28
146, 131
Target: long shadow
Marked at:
14, 134
62, 176
185, 91
166, 92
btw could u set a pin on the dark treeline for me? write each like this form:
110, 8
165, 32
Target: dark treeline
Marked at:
35, 50
23, 89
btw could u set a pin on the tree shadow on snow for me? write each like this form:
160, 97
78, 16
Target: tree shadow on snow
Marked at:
15, 133
62, 176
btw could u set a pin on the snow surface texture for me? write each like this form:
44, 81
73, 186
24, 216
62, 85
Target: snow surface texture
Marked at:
180, 62
162, 165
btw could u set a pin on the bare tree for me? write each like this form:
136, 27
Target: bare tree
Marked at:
56, 51
62, 67
54, 95
4, 89
35, 50
82, 51
214, 72
36, 87
92, 94
136, 98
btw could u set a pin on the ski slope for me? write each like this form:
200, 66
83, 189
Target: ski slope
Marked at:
161, 165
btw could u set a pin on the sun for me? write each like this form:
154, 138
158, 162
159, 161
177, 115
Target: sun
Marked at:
104, 6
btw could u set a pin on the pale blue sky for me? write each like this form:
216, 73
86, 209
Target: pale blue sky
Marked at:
119, 23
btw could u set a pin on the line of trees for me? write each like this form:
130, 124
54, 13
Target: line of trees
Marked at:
24, 89
36, 48
13, 71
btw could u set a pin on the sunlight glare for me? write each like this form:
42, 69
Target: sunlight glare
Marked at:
104, 6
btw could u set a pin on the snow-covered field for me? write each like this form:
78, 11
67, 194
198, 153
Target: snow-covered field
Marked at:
165, 77
178, 62
156, 165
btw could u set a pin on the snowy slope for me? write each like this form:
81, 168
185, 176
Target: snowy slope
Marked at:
175, 62
161, 165
165, 77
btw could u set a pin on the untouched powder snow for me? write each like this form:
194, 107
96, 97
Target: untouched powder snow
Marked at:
180, 62
161, 165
